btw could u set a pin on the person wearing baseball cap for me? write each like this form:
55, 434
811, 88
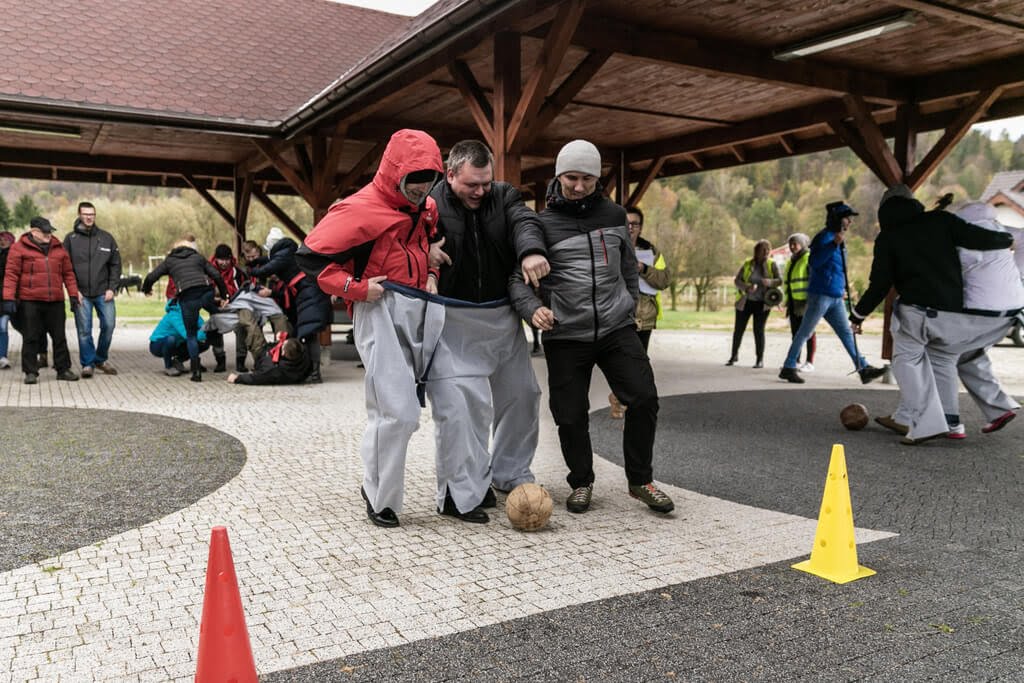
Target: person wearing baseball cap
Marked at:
586, 308
40, 299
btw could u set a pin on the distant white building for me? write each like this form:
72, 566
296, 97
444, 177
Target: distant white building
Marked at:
1006, 193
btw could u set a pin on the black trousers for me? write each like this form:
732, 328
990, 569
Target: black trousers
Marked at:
755, 310
41, 318
622, 359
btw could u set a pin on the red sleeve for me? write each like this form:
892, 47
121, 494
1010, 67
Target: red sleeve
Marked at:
336, 280
13, 274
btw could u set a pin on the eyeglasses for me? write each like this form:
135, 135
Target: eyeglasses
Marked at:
634, 224
87, 215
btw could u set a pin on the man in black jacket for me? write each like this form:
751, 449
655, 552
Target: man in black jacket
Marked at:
586, 307
487, 232
97, 265
915, 253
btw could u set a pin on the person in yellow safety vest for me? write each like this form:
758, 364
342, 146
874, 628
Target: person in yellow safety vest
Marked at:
654, 276
794, 287
753, 280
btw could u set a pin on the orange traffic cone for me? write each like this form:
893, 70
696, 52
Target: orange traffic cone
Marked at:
225, 655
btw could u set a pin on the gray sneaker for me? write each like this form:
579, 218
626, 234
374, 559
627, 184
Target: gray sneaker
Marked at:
655, 498
579, 499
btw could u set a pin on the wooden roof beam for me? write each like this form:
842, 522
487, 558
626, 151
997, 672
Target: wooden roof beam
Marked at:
210, 199
963, 15
285, 169
556, 44
78, 160
565, 92
278, 213
752, 129
324, 185
474, 97
357, 171
736, 60
955, 132
1007, 72
874, 141
649, 175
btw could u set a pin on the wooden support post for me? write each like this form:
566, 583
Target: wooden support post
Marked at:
905, 143
622, 178
507, 85
287, 171
645, 182
874, 144
243, 197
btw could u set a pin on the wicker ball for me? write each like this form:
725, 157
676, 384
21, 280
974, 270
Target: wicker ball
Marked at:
528, 507
854, 416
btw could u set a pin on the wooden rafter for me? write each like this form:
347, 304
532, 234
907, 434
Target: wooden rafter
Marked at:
955, 132
786, 143
1007, 72
474, 97
286, 170
564, 94
649, 175
507, 90
733, 59
874, 140
851, 135
210, 199
279, 214
357, 171
243, 197
964, 15
556, 44
305, 168
905, 143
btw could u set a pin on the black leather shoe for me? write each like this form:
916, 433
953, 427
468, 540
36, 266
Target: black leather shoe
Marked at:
731, 361
758, 365
490, 500
870, 374
791, 375
385, 518
474, 516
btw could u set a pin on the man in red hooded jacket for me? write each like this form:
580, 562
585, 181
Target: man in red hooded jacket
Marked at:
38, 270
380, 234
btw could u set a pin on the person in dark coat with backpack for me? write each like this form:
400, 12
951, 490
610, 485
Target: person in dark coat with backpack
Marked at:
192, 274
307, 307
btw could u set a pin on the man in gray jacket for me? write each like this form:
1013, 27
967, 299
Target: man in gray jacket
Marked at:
97, 265
586, 308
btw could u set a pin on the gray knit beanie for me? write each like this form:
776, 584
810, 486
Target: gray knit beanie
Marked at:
580, 156
800, 238
899, 190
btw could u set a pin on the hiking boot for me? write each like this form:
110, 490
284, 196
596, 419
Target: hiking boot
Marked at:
474, 516
957, 432
106, 368
386, 518
87, 372
791, 375
889, 423
870, 373
197, 373
172, 372
732, 361
1000, 422
31, 378
655, 498
759, 364
240, 364
67, 376
222, 362
579, 499
179, 366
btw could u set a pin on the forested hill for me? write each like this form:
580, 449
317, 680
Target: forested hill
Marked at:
705, 222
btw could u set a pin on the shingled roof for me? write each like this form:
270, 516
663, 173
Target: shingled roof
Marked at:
232, 60
1007, 182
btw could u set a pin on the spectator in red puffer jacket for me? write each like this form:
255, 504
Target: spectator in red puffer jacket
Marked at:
38, 271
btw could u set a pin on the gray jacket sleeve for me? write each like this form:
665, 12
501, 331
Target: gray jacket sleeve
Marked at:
523, 298
630, 270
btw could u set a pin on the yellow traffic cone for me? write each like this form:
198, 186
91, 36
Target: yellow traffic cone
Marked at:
834, 555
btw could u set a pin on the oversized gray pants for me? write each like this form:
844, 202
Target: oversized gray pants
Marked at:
395, 337
974, 369
926, 347
485, 402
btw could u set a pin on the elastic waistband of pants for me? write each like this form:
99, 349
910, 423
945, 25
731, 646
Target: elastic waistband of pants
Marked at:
443, 300
993, 314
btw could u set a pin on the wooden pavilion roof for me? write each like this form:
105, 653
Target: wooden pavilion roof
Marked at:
300, 95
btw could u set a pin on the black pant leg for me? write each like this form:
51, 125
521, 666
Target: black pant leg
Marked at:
55, 317
32, 330
570, 366
645, 337
627, 368
760, 320
739, 327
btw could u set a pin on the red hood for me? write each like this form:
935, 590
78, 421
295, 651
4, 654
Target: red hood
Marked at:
407, 151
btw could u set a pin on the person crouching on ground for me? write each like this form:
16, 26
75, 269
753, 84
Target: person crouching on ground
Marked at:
285, 363
585, 308
168, 340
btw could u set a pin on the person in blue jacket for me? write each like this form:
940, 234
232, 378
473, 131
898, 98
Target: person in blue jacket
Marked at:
168, 340
825, 295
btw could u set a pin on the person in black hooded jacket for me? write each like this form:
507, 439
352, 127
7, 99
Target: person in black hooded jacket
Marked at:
192, 274
915, 253
307, 307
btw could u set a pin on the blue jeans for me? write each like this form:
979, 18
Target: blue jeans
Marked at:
832, 310
95, 354
4, 338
